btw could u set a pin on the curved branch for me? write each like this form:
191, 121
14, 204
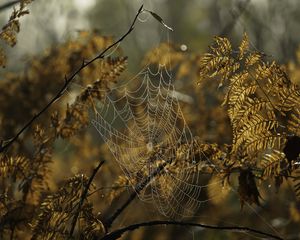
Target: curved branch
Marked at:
119, 232
137, 189
68, 81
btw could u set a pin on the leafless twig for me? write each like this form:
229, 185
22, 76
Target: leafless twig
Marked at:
68, 80
119, 232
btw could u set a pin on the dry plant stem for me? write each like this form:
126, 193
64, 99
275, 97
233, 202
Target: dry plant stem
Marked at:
83, 197
9, 4
119, 232
137, 189
68, 80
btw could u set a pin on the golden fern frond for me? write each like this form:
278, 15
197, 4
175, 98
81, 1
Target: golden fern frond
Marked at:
116, 67
39, 168
261, 141
250, 107
10, 30
256, 124
77, 114
13, 167
222, 46
267, 71
24, 175
294, 123
120, 185
259, 97
252, 59
289, 98
273, 164
236, 81
213, 154
244, 46
111, 69
219, 62
91, 226
238, 98
57, 210
296, 184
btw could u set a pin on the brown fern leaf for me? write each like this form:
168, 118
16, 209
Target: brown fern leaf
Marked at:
250, 107
13, 167
236, 81
10, 30
239, 98
294, 122
297, 183
257, 96
272, 164
247, 135
39, 169
222, 46
263, 141
91, 226
252, 59
57, 210
244, 46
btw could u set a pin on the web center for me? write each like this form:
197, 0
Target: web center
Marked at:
149, 146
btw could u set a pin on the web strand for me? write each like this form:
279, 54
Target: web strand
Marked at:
143, 126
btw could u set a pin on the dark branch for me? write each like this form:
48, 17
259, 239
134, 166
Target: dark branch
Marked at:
83, 197
118, 233
68, 81
8, 5
137, 189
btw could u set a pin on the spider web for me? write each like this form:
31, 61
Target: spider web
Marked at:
144, 128
142, 124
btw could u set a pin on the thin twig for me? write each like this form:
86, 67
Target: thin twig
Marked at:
108, 188
68, 81
137, 189
83, 197
119, 232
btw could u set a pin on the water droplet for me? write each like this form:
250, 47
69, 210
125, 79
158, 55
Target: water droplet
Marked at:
183, 47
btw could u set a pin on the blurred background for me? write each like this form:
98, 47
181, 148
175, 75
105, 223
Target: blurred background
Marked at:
272, 26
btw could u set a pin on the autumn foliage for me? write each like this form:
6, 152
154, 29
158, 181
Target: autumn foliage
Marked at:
60, 181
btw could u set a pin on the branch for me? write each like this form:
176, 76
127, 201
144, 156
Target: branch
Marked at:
9, 4
118, 233
68, 81
137, 189
83, 197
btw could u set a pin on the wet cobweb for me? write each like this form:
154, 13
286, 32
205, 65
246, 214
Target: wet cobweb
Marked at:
144, 128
